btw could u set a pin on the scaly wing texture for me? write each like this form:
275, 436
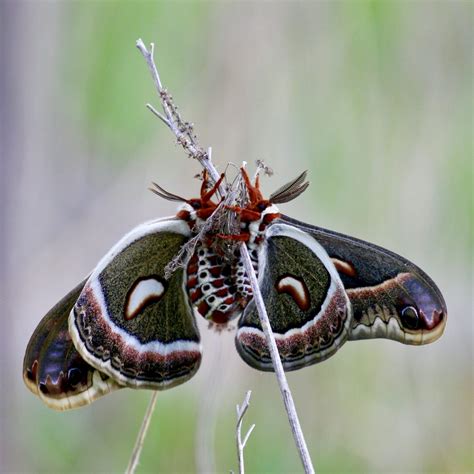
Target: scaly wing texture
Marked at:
52, 367
307, 305
132, 323
391, 297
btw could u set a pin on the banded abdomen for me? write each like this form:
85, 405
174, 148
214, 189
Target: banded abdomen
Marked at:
218, 287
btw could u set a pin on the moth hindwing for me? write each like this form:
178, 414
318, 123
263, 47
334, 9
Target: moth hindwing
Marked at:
52, 367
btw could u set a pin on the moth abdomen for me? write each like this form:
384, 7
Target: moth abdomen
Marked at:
217, 285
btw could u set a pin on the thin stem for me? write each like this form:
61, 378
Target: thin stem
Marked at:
160, 116
183, 131
241, 410
137, 449
277, 365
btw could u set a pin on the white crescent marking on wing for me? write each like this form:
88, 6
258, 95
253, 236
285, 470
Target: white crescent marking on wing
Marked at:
144, 290
297, 286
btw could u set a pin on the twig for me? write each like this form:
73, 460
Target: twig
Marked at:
185, 136
277, 365
137, 449
184, 131
241, 410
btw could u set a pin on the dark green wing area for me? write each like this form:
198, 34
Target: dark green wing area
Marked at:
52, 367
132, 322
306, 303
391, 297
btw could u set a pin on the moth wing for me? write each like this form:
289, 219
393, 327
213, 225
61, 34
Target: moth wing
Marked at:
307, 305
132, 323
391, 297
52, 367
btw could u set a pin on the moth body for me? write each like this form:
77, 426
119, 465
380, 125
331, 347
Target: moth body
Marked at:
216, 281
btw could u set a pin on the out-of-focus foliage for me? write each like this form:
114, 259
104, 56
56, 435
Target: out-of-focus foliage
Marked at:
373, 98
109, 93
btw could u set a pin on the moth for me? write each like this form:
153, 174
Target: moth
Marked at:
132, 321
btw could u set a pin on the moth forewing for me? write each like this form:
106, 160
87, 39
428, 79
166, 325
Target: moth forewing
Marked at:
133, 323
391, 297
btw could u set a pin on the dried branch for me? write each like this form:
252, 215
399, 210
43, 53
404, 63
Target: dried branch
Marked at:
137, 449
241, 410
277, 365
186, 137
184, 131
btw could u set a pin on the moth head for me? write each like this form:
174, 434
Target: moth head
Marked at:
190, 209
195, 204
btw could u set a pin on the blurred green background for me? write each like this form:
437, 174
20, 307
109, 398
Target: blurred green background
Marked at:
373, 98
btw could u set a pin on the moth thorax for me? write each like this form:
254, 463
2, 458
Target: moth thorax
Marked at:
257, 228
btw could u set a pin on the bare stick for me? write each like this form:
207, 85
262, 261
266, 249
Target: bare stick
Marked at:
185, 136
241, 410
277, 365
184, 131
137, 449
